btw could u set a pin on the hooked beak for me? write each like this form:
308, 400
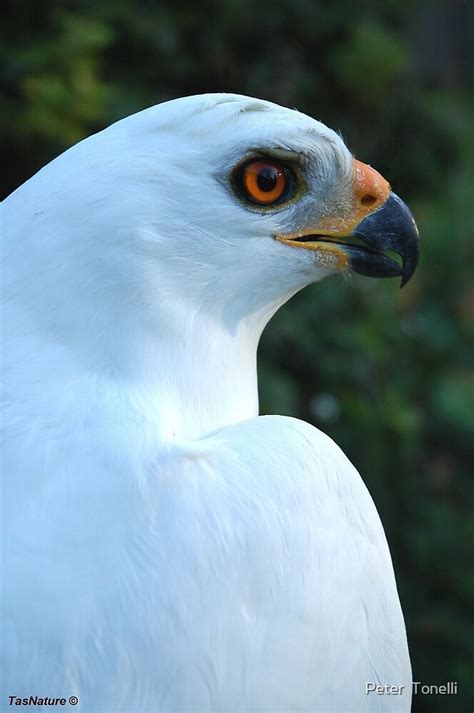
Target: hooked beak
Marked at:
391, 228
378, 221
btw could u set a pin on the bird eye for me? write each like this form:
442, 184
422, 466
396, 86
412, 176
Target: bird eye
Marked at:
264, 182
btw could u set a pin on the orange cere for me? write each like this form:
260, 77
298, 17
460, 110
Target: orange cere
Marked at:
370, 191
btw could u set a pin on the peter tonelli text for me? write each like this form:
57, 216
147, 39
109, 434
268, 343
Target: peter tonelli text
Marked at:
389, 689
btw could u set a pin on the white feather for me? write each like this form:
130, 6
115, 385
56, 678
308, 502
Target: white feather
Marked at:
166, 548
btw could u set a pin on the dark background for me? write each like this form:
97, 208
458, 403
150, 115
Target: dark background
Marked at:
385, 373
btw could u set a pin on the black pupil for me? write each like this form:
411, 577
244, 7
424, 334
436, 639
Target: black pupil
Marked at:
267, 178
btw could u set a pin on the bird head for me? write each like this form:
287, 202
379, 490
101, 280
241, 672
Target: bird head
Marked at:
292, 179
219, 203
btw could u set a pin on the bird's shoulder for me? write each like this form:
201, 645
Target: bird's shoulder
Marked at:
263, 440
281, 450
277, 466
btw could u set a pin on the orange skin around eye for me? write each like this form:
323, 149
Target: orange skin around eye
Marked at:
250, 181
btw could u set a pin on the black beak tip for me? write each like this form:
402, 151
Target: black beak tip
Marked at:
410, 253
406, 277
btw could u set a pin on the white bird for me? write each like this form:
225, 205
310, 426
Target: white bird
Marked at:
166, 548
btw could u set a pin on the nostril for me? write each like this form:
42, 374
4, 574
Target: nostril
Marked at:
368, 199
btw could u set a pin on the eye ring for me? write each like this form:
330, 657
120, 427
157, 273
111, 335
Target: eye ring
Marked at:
264, 182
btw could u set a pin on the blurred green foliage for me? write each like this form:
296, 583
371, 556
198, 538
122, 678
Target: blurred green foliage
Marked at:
386, 373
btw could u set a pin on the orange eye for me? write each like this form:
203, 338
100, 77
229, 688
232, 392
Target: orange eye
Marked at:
264, 182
